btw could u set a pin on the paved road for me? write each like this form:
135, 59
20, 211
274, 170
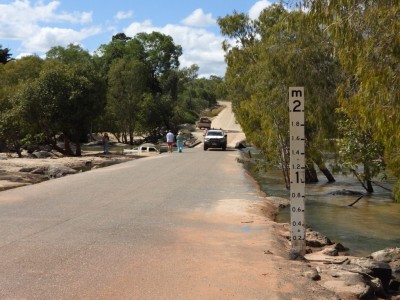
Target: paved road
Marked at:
173, 226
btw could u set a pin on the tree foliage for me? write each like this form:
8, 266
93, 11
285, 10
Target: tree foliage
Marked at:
168, 95
14, 130
272, 53
128, 83
160, 52
5, 55
65, 98
367, 42
132, 85
360, 152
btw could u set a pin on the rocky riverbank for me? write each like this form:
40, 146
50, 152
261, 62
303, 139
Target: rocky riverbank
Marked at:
376, 276
34, 168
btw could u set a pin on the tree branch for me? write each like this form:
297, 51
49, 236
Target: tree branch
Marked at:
358, 199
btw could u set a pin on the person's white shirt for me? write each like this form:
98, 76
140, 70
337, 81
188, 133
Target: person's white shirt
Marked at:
170, 137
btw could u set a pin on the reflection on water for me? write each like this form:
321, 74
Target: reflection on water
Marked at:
371, 224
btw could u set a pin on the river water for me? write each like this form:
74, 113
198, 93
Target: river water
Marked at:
372, 224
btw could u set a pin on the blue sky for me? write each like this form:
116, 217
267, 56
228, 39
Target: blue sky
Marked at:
34, 26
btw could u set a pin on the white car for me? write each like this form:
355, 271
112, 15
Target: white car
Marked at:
143, 149
215, 138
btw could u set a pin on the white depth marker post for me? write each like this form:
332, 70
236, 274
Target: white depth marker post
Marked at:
297, 172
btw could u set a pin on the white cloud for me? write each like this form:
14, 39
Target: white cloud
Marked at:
21, 11
21, 21
47, 37
121, 15
199, 19
257, 8
136, 27
200, 46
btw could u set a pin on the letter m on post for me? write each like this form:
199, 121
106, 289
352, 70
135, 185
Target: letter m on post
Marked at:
297, 93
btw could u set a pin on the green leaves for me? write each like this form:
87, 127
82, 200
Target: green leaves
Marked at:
279, 50
5, 55
366, 38
65, 98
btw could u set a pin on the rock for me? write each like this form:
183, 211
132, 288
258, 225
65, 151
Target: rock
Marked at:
330, 252
56, 171
348, 291
390, 256
315, 239
347, 284
377, 287
294, 255
375, 268
27, 169
394, 285
387, 255
40, 170
339, 247
240, 145
312, 274
41, 154
395, 267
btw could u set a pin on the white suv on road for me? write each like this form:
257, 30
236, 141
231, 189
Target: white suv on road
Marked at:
215, 138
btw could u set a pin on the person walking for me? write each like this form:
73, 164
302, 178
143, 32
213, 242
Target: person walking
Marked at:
106, 142
179, 141
170, 140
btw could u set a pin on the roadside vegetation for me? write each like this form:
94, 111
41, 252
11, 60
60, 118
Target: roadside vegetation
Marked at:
130, 86
212, 111
345, 53
347, 56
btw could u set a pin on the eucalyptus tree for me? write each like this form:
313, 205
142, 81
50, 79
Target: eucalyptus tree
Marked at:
199, 93
120, 46
160, 52
188, 77
64, 99
360, 152
5, 55
162, 55
206, 92
121, 37
15, 131
274, 52
128, 83
218, 86
192, 96
189, 102
366, 37
11, 126
72, 54
20, 70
